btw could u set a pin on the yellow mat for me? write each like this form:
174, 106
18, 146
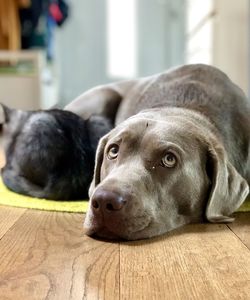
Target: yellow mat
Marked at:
245, 206
12, 199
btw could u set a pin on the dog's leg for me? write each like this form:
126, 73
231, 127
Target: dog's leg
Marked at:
102, 100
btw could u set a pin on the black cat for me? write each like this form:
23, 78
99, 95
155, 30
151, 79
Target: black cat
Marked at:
49, 153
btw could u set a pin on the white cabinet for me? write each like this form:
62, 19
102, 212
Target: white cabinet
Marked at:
24, 81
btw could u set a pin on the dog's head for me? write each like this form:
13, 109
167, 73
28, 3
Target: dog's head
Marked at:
152, 176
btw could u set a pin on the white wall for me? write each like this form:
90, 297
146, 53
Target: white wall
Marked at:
80, 54
82, 43
218, 34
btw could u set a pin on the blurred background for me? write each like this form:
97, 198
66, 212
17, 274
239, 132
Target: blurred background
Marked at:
53, 50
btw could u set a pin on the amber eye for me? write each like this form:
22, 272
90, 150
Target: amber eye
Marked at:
169, 160
113, 152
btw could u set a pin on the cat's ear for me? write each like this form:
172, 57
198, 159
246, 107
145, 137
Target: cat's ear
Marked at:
5, 113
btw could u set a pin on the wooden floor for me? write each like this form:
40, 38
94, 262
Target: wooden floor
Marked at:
45, 255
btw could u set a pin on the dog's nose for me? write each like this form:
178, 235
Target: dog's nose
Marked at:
107, 201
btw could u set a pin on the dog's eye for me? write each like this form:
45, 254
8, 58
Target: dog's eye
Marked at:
113, 152
169, 160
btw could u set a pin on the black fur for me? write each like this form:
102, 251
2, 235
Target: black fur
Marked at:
50, 154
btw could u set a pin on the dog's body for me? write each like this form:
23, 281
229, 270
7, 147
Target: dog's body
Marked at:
186, 158
49, 154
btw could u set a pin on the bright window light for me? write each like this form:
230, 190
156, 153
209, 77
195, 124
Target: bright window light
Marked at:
121, 35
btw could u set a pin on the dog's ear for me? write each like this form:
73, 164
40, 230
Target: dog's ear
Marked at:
98, 163
229, 189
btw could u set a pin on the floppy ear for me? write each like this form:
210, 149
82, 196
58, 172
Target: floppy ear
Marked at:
98, 163
229, 188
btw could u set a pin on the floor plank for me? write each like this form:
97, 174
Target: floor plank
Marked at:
195, 262
46, 256
8, 217
241, 227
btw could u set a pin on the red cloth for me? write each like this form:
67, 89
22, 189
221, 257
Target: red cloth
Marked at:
55, 12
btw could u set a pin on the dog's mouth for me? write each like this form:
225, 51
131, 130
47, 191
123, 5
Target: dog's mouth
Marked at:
118, 230
104, 233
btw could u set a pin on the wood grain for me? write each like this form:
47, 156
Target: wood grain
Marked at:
241, 227
194, 262
8, 217
46, 256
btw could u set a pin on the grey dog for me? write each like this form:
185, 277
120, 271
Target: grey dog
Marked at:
180, 152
